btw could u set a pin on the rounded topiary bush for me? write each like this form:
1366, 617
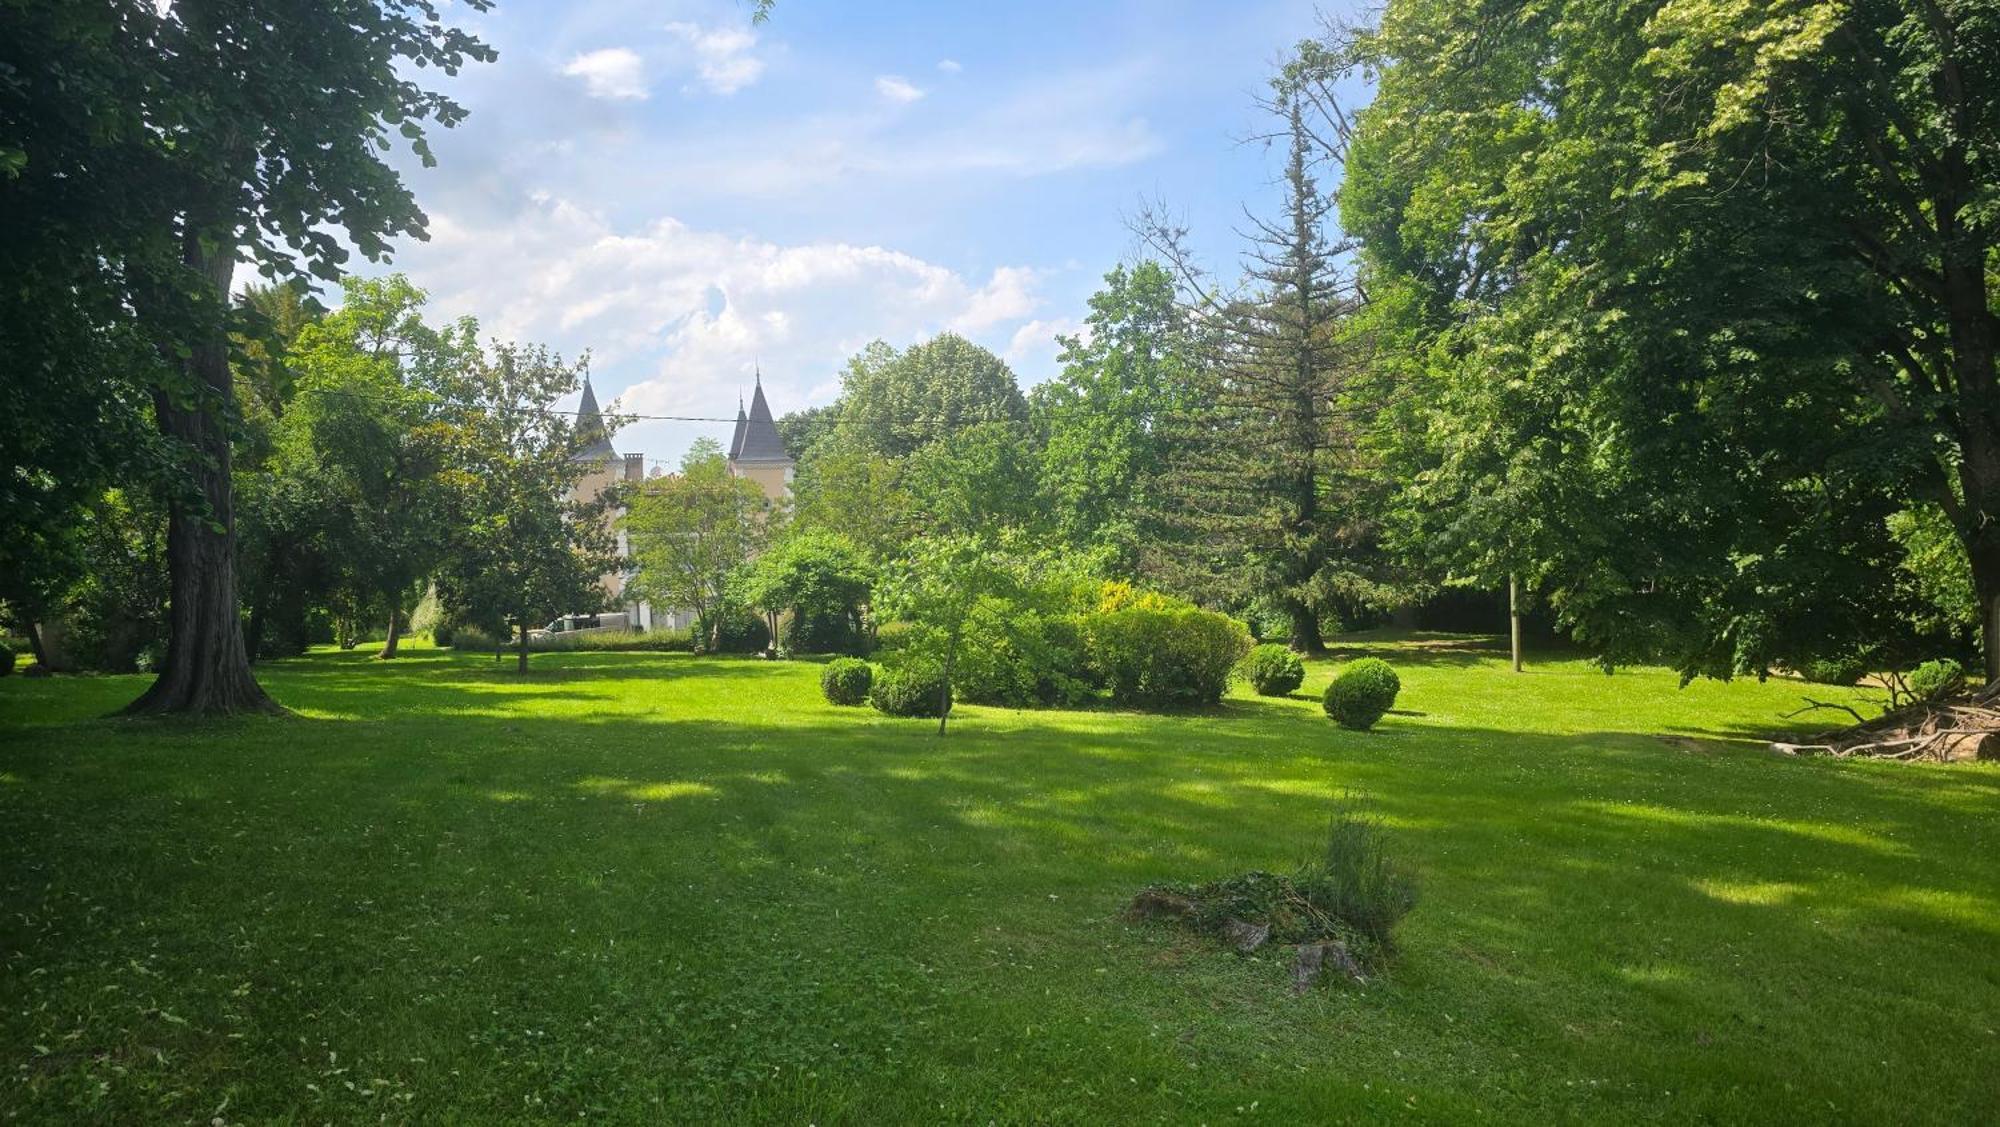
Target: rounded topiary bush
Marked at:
847, 680
1274, 670
1361, 693
1934, 679
1844, 671
914, 689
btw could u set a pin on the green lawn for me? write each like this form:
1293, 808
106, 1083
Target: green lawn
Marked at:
641, 887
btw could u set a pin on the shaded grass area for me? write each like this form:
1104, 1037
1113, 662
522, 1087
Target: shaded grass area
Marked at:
637, 886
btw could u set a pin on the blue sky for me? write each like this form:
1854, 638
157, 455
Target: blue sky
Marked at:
688, 196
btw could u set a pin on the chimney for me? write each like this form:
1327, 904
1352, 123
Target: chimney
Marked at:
635, 467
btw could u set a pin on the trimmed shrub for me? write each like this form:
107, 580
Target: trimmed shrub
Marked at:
846, 680
443, 634
1274, 670
913, 688
1845, 671
1165, 657
1934, 679
6, 659
1361, 693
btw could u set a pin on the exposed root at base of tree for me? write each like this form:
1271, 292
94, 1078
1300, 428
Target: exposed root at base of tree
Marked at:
1248, 912
1946, 730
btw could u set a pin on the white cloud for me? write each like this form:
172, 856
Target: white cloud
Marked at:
896, 88
949, 66
613, 72
678, 316
1033, 346
720, 55
1007, 296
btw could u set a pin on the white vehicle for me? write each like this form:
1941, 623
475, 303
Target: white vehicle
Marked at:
584, 624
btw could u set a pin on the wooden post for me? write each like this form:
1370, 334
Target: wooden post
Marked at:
1514, 618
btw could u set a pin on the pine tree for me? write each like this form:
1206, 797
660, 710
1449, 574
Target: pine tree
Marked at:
1267, 495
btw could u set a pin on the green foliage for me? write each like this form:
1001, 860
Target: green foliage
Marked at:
735, 628
6, 659
1361, 693
896, 403
1165, 657
846, 680
1110, 417
1934, 679
978, 479
911, 686
690, 531
1355, 881
1274, 670
1020, 652
1936, 568
1703, 410
148, 148
822, 581
1846, 669
522, 550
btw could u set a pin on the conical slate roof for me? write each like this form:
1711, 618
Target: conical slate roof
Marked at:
761, 442
742, 424
590, 427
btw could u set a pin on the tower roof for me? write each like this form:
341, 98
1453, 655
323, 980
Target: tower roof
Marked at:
761, 441
590, 427
742, 424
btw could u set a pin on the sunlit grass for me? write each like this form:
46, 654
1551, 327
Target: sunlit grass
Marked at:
647, 887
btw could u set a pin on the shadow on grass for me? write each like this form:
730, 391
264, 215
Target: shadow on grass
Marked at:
1604, 872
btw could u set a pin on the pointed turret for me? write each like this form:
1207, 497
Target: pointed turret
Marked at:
761, 441
742, 424
590, 427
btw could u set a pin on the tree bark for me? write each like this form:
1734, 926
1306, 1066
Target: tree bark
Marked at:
395, 634
207, 668
944, 695
1975, 361
34, 633
1306, 638
1514, 618
521, 654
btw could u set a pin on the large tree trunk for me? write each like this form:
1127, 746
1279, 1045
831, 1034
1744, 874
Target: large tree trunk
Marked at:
1306, 638
1975, 362
34, 633
395, 633
522, 628
207, 670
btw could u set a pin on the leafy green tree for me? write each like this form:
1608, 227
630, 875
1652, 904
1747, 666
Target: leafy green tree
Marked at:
1684, 357
147, 148
690, 530
823, 580
521, 551
980, 479
1108, 418
937, 586
855, 493
371, 422
895, 403
802, 430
